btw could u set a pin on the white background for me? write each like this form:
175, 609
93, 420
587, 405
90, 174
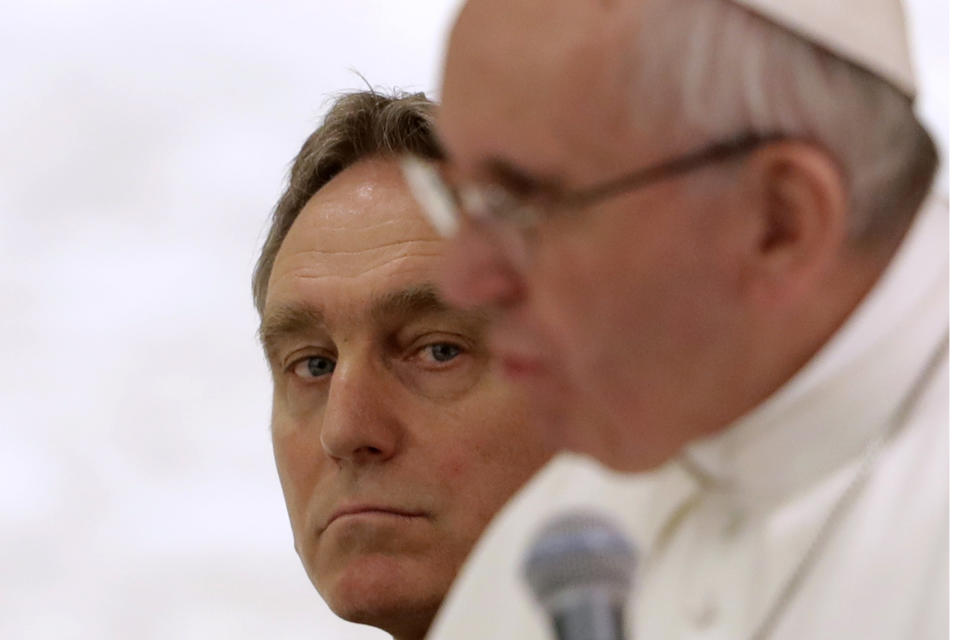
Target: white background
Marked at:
142, 145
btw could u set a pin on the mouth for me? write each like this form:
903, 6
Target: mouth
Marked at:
373, 512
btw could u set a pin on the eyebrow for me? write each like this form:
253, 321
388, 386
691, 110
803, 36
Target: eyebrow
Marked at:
286, 321
416, 299
419, 299
517, 179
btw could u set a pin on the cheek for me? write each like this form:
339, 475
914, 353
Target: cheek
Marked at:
455, 459
619, 282
299, 465
568, 290
494, 453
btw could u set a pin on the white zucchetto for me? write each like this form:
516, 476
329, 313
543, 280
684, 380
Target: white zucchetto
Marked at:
870, 33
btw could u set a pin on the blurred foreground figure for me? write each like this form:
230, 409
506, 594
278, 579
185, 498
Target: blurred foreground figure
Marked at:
394, 440
702, 228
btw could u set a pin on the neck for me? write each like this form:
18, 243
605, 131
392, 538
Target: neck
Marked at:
792, 336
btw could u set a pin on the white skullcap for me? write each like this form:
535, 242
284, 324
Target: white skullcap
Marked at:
870, 33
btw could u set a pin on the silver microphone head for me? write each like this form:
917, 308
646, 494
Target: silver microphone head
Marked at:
576, 553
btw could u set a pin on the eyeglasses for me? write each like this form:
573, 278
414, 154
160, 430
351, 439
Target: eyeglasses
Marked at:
446, 205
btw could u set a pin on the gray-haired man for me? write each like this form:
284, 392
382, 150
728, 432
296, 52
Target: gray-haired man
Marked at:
395, 439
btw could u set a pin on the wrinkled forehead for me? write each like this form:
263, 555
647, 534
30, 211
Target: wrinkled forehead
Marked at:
360, 230
552, 73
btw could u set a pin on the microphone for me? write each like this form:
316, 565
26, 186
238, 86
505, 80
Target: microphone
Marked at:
580, 568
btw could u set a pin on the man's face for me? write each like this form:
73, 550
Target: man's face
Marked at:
621, 326
394, 440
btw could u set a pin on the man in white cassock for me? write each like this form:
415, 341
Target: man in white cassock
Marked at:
704, 232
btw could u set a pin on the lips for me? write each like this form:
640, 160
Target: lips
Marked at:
373, 510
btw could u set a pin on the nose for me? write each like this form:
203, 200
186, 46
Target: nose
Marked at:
483, 267
358, 425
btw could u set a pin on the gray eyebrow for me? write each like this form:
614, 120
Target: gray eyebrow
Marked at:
518, 179
417, 299
285, 321
423, 299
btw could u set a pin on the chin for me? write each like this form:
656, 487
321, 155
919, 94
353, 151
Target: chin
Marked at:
381, 592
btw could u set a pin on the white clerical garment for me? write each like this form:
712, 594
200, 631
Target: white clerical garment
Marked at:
851, 452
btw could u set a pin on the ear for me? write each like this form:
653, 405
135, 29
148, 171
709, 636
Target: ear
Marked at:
798, 201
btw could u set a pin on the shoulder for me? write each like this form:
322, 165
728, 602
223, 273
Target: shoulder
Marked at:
489, 597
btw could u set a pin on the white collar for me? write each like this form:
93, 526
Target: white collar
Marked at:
845, 396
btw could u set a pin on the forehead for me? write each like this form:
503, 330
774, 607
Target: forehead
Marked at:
538, 81
358, 236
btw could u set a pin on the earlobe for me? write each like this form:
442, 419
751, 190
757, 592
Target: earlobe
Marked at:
799, 198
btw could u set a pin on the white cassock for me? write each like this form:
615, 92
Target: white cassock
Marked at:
852, 452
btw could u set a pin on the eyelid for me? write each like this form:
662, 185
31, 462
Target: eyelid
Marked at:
423, 341
520, 182
308, 379
423, 359
426, 338
522, 208
292, 358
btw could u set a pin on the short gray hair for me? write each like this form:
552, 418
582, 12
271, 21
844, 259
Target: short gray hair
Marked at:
716, 70
358, 125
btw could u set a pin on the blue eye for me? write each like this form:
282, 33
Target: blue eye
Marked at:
314, 367
444, 351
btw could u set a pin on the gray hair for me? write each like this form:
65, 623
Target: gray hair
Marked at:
720, 70
358, 125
